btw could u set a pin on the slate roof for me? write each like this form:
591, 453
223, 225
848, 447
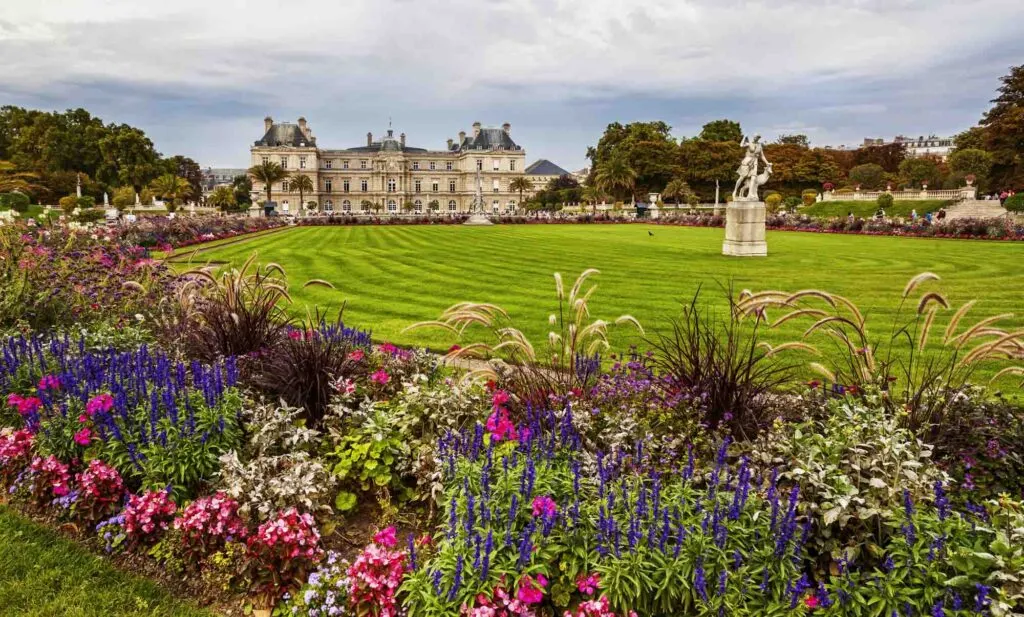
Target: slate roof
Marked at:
388, 144
488, 139
544, 167
285, 134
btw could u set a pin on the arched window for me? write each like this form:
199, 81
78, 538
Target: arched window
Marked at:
346, 206
392, 206
452, 206
328, 206
418, 206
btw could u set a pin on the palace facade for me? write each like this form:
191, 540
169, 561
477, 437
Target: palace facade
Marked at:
389, 176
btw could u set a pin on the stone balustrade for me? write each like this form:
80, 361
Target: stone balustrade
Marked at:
967, 192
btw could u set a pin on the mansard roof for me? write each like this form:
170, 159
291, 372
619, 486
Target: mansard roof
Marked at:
489, 139
388, 144
544, 167
286, 134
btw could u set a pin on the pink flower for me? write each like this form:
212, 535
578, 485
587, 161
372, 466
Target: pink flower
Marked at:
295, 335
49, 382
544, 506
499, 398
101, 403
500, 427
588, 584
389, 349
356, 355
380, 377
83, 437
386, 537
811, 602
532, 591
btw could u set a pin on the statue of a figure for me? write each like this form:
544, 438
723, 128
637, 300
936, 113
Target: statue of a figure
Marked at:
747, 170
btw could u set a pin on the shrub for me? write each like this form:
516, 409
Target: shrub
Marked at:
1015, 202
91, 215
772, 202
368, 456
885, 201
375, 576
281, 554
147, 516
16, 201
791, 203
809, 197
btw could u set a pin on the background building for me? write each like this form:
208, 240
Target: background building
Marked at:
932, 145
219, 176
540, 172
390, 176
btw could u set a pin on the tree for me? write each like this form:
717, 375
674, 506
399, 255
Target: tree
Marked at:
1004, 131
11, 179
677, 190
972, 138
408, 207
171, 189
242, 187
377, 207
303, 184
616, 177
971, 161
888, 156
128, 158
520, 184
703, 162
365, 205
184, 167
268, 172
794, 140
722, 130
646, 147
870, 176
918, 171
223, 198
436, 205
124, 197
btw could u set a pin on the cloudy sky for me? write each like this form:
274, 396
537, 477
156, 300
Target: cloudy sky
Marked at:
199, 76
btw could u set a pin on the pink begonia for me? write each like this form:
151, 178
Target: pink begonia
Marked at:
386, 537
500, 604
374, 578
25, 405
380, 377
49, 382
148, 514
594, 608
499, 398
83, 437
14, 446
208, 522
99, 404
500, 427
100, 489
52, 474
388, 348
588, 584
544, 506
282, 552
356, 355
531, 591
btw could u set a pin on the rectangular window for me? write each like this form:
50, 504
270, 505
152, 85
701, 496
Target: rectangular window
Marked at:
302, 162
344, 164
284, 186
432, 166
327, 185
512, 165
416, 186
328, 163
415, 165
433, 186
391, 185
448, 165
479, 164
344, 186
284, 162
266, 159
495, 164
497, 185
362, 185
451, 186
362, 164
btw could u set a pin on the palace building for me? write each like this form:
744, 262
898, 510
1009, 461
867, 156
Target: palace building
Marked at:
388, 176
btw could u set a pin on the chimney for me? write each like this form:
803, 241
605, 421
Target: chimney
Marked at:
267, 123
302, 127
462, 137
450, 142
476, 129
506, 127
369, 139
401, 139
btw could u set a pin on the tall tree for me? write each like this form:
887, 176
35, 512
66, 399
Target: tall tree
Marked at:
303, 184
869, 176
268, 172
722, 130
13, 179
172, 189
705, 162
223, 198
242, 186
1004, 131
973, 138
794, 140
520, 184
646, 147
677, 190
971, 162
128, 158
184, 167
616, 177
917, 171
888, 156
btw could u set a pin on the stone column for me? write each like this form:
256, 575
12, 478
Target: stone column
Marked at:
745, 229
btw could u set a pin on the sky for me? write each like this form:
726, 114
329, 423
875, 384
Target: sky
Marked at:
199, 76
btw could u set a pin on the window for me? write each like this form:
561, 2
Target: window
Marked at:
362, 185
346, 206
417, 206
327, 185
479, 164
284, 162
451, 186
495, 164
284, 206
497, 185
302, 162
392, 206
365, 206
266, 159
495, 205
415, 165
512, 165
362, 164
416, 185
284, 187
344, 186
452, 206
328, 206
448, 165
391, 185
344, 164
434, 186
432, 166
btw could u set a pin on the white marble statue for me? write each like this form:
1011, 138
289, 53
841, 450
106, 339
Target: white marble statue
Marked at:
749, 178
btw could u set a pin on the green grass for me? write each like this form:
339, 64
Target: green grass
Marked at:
43, 574
867, 209
393, 276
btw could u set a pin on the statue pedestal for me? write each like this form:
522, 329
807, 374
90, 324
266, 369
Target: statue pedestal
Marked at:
478, 218
744, 229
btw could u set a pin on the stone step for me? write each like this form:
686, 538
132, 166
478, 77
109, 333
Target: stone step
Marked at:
976, 209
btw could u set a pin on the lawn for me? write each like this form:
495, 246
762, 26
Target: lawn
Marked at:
42, 573
393, 276
867, 209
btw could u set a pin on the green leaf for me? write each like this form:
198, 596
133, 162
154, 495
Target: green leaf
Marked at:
345, 501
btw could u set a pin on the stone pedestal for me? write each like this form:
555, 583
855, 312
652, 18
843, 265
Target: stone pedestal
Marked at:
478, 218
744, 229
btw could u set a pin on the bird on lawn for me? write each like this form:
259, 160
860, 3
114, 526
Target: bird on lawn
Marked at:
650, 233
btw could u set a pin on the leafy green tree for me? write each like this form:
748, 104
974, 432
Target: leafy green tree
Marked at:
408, 207
646, 147
171, 189
303, 184
184, 167
128, 158
972, 138
14, 201
703, 162
616, 177
722, 130
242, 186
869, 176
677, 190
794, 140
917, 171
268, 172
971, 161
12, 179
520, 184
1004, 131
223, 198
888, 156
124, 197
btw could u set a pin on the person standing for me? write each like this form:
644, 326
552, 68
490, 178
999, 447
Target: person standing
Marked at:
1002, 198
